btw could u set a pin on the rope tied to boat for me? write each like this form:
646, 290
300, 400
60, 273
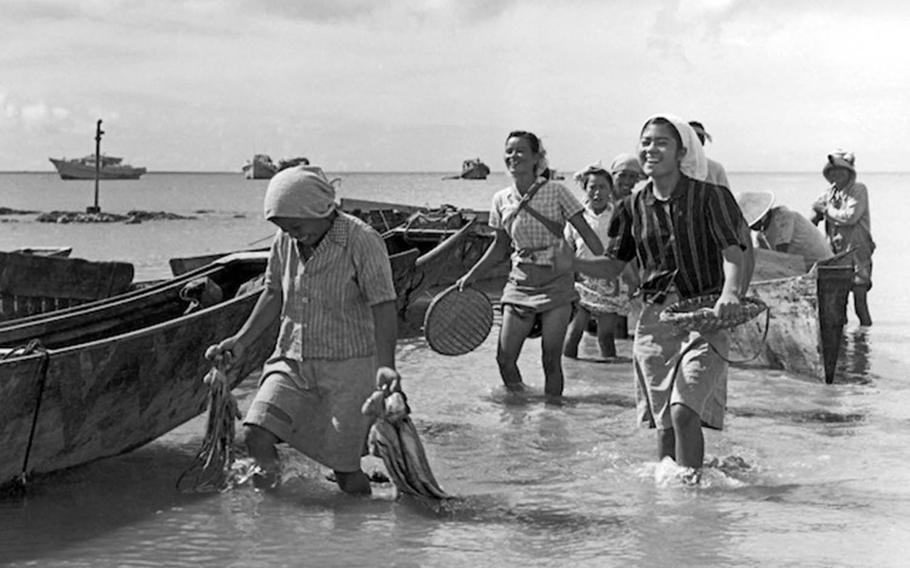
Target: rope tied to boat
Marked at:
19, 485
211, 469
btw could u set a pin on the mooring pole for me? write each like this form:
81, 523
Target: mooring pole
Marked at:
98, 133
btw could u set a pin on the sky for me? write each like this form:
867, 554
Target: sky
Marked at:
420, 85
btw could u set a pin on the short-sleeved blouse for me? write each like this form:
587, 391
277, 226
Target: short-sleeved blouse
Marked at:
532, 241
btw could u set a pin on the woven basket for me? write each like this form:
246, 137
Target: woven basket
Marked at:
458, 321
696, 314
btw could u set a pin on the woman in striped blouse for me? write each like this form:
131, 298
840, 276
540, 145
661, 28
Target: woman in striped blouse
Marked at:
688, 238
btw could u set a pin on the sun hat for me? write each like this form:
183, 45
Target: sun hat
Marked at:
840, 159
458, 321
300, 192
755, 205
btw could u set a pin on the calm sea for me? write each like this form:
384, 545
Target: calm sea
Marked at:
542, 485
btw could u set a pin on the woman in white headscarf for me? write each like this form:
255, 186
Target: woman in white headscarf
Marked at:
329, 285
687, 237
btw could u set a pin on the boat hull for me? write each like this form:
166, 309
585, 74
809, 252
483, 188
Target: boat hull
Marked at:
38, 283
115, 391
74, 170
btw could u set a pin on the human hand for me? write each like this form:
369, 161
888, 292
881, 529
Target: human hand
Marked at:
726, 306
225, 353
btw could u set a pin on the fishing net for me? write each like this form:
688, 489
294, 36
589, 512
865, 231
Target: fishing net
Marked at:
697, 314
211, 468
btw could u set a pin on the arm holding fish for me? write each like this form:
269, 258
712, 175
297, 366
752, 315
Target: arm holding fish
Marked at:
498, 250
267, 309
385, 320
231, 350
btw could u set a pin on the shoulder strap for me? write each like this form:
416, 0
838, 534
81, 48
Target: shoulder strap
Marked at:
553, 226
525, 203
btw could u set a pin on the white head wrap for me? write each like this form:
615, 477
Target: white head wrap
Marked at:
694, 164
301, 192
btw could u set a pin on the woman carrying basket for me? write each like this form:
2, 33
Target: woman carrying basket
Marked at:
529, 220
687, 236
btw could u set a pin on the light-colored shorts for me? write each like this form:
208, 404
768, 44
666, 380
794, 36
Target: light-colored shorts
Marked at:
700, 382
314, 406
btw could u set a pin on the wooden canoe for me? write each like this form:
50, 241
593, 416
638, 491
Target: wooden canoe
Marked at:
117, 373
807, 315
419, 259
37, 283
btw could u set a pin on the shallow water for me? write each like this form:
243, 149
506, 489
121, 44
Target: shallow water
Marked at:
823, 477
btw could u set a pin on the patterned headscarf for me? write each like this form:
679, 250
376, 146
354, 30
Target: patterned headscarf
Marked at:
301, 192
694, 164
625, 163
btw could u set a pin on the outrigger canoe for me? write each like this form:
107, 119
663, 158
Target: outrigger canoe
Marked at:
807, 314
101, 379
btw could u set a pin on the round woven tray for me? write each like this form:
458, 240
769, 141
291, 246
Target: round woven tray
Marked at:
458, 321
696, 314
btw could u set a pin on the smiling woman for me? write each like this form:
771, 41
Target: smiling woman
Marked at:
686, 235
529, 219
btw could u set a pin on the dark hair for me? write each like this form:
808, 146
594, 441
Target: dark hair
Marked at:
537, 148
661, 121
532, 139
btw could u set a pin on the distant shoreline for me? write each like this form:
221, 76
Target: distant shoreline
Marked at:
205, 172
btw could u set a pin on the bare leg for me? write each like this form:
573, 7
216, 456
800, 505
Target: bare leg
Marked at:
576, 330
554, 323
260, 444
690, 441
512, 335
353, 482
860, 304
606, 338
666, 444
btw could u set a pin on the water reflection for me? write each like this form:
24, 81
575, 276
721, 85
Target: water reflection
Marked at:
854, 362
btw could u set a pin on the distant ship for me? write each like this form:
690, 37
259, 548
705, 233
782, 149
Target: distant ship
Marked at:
472, 169
260, 167
84, 168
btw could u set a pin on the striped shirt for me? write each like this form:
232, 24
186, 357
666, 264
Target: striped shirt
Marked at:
682, 236
532, 241
327, 301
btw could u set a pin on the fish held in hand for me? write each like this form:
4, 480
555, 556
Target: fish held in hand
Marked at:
393, 438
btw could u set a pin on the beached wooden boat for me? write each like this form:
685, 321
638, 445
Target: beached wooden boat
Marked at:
807, 314
32, 283
419, 260
115, 374
45, 251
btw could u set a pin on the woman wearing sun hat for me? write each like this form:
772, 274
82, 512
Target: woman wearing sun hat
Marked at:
845, 208
778, 228
329, 283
